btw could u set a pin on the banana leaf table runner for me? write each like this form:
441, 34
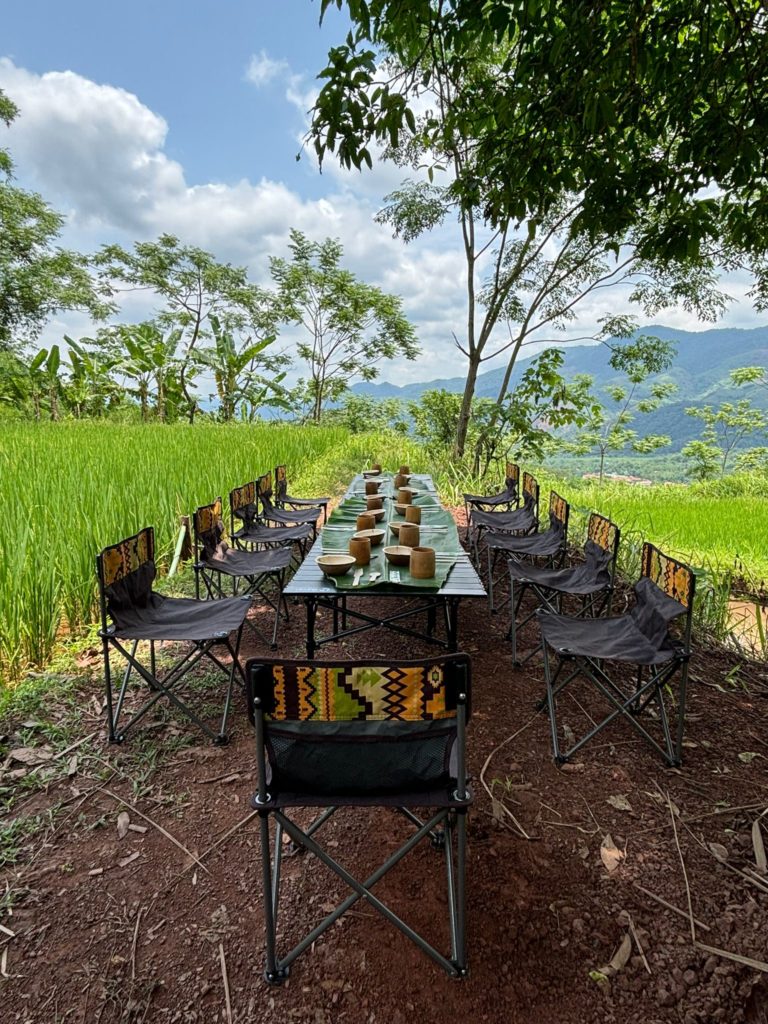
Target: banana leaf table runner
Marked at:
436, 599
437, 530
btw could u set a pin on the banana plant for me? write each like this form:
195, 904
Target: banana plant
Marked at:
238, 374
152, 363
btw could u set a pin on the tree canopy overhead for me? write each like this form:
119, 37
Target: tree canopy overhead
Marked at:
636, 106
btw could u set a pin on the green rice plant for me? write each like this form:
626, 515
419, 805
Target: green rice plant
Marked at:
69, 489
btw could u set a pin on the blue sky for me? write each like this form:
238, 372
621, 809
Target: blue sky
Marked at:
144, 118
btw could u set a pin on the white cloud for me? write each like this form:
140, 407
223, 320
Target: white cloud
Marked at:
262, 69
98, 153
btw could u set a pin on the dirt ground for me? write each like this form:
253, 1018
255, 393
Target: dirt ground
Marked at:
108, 929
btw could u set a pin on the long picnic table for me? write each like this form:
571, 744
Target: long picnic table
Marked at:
412, 598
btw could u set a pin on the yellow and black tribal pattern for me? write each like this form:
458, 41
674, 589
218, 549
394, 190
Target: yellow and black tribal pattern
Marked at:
530, 486
208, 518
409, 693
243, 496
264, 485
281, 481
602, 531
558, 507
120, 560
513, 473
669, 575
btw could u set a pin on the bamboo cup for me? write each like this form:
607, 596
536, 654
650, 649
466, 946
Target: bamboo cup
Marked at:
413, 514
366, 521
408, 536
372, 486
404, 496
360, 549
400, 481
376, 467
405, 470
422, 564
374, 501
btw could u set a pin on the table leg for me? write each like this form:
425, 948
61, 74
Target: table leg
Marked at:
452, 615
344, 611
431, 618
311, 604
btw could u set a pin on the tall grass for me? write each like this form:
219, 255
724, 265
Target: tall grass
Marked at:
67, 490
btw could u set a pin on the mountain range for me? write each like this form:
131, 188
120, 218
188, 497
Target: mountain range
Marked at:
703, 362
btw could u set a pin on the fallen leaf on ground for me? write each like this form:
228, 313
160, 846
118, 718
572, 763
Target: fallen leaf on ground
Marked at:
72, 765
718, 851
759, 846
610, 854
620, 802
128, 860
30, 755
619, 959
123, 824
748, 756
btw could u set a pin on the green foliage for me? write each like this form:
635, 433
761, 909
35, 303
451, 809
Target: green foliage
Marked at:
360, 414
84, 485
725, 428
194, 287
608, 429
636, 109
349, 326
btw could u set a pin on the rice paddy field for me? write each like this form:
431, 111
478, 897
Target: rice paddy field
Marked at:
67, 490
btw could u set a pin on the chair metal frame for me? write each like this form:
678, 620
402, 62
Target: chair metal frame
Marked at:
255, 533
601, 531
205, 519
445, 828
508, 498
560, 511
530, 501
270, 513
676, 580
140, 548
287, 501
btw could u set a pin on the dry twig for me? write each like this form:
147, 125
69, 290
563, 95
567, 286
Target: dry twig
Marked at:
223, 961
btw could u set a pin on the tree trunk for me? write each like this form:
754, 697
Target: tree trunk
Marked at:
317, 409
602, 463
465, 413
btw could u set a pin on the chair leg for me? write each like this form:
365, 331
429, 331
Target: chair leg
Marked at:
108, 685
272, 975
559, 759
460, 957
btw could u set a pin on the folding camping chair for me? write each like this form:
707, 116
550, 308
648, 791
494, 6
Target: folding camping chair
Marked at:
550, 545
507, 498
641, 638
254, 532
283, 517
362, 734
286, 501
520, 520
592, 581
126, 572
258, 572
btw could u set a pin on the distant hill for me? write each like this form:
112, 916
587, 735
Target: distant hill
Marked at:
704, 360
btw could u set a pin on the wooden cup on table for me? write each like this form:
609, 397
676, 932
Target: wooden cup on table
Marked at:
360, 549
413, 514
374, 501
400, 481
366, 521
372, 486
376, 467
408, 536
422, 564
404, 496
405, 470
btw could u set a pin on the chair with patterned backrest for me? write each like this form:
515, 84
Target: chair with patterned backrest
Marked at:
521, 520
641, 638
247, 530
591, 582
362, 734
251, 572
270, 513
285, 500
550, 546
126, 572
507, 498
